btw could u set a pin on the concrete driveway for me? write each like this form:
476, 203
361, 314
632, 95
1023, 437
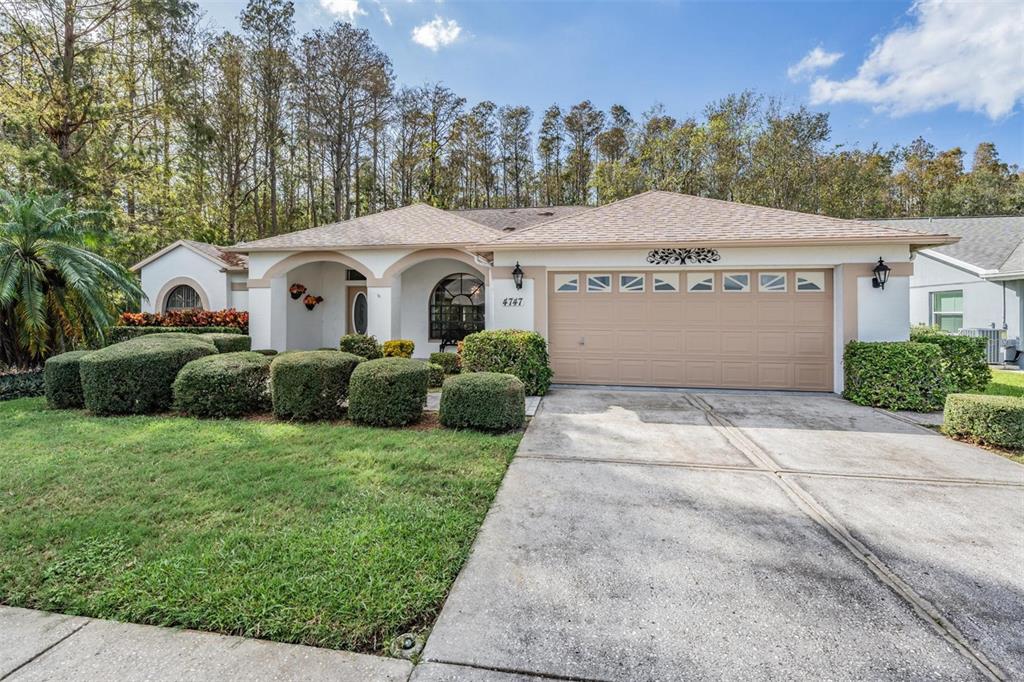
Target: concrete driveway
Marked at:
657, 535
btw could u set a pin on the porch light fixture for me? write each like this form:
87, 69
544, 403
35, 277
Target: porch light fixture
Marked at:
517, 276
881, 275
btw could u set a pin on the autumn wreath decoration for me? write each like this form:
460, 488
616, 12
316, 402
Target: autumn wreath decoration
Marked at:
297, 290
312, 300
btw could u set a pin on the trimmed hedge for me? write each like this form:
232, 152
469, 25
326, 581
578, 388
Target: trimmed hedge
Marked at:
229, 343
63, 380
28, 383
135, 377
362, 345
398, 348
520, 353
897, 375
224, 385
265, 351
311, 384
483, 400
448, 361
436, 375
388, 392
119, 334
988, 419
964, 361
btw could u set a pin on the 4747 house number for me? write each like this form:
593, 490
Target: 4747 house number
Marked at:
512, 302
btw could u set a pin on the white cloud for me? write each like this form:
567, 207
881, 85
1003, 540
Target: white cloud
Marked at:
384, 12
966, 54
815, 60
437, 33
349, 9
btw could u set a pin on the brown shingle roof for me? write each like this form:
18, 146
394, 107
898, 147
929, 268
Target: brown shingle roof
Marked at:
415, 225
659, 217
231, 261
508, 219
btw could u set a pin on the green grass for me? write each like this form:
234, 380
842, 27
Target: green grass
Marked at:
328, 535
1005, 382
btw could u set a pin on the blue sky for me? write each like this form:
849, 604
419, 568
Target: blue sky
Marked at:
952, 72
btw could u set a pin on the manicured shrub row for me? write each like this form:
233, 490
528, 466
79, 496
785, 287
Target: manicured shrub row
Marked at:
26, 383
988, 419
362, 345
899, 375
388, 392
964, 364
63, 380
135, 377
311, 385
484, 401
398, 348
435, 376
509, 351
119, 334
229, 343
224, 385
448, 361
229, 317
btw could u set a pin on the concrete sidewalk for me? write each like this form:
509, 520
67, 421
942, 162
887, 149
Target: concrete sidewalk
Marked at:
35, 645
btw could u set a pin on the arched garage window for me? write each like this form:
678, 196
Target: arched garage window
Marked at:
456, 307
183, 297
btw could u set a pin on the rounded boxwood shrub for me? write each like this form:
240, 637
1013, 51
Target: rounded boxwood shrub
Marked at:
988, 419
125, 333
398, 348
448, 361
62, 379
436, 375
483, 400
964, 361
224, 385
362, 345
229, 343
388, 392
509, 351
135, 377
311, 384
897, 375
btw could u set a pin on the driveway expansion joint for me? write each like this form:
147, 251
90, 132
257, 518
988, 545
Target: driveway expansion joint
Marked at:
516, 671
45, 650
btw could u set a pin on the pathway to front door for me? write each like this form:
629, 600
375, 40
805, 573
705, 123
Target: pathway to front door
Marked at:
661, 535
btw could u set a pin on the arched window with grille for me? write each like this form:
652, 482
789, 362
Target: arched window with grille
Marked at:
183, 297
456, 307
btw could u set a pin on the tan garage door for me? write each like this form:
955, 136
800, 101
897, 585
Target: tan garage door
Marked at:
734, 329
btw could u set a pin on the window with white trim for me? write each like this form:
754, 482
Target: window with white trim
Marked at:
599, 284
631, 284
666, 282
810, 281
567, 284
700, 281
736, 281
772, 282
948, 310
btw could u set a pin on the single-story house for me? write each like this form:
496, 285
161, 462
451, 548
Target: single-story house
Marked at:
190, 274
975, 283
660, 289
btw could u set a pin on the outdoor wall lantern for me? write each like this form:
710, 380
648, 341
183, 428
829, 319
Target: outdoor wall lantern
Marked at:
881, 275
517, 276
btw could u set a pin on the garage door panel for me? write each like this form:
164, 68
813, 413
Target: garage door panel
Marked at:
750, 339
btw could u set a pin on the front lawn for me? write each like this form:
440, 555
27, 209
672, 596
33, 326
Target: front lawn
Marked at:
1006, 382
322, 534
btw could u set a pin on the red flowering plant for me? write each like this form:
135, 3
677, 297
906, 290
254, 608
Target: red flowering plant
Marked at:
310, 300
188, 318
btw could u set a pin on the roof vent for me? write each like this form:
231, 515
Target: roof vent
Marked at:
508, 229
546, 213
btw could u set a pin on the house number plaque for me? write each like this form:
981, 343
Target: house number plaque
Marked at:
512, 302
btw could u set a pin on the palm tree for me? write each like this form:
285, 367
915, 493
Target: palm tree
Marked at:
54, 292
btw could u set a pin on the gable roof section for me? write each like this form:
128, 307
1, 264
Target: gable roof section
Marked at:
659, 217
234, 262
415, 225
993, 244
509, 219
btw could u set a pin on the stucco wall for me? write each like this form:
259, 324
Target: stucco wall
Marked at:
986, 303
325, 324
183, 262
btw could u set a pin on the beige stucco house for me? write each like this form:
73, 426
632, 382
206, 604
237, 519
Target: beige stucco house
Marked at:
660, 289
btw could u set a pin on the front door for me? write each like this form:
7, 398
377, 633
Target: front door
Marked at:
357, 310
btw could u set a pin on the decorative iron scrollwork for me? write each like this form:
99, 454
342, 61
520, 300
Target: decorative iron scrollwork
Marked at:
683, 256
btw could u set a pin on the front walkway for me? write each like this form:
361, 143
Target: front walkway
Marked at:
652, 535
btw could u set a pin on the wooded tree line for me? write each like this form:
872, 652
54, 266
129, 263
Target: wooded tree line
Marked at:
131, 106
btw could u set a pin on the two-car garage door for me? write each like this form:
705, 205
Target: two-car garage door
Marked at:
733, 329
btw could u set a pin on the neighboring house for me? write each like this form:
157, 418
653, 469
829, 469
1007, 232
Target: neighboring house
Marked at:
189, 274
658, 289
976, 283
